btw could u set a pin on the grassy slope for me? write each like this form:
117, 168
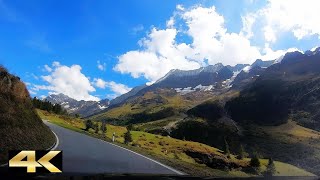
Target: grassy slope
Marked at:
20, 126
293, 143
167, 99
169, 150
179, 103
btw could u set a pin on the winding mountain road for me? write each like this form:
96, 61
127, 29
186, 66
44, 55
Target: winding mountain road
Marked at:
85, 154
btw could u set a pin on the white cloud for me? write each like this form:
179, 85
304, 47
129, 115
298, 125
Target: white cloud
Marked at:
270, 54
34, 76
69, 81
56, 64
248, 20
101, 66
170, 22
211, 43
180, 7
47, 68
160, 54
296, 16
41, 87
117, 88
269, 34
100, 83
32, 92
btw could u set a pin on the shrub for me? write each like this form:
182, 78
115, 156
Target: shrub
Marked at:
255, 162
271, 169
242, 153
127, 137
226, 148
89, 125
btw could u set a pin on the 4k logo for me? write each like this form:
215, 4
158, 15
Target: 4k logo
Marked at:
36, 161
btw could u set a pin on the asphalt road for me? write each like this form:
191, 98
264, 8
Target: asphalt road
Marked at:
85, 154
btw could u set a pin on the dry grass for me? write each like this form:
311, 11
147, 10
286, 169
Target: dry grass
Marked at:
20, 126
171, 151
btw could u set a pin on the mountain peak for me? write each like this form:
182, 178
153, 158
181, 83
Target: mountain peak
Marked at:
262, 64
82, 107
213, 68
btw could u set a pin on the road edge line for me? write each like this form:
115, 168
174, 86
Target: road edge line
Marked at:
55, 145
157, 162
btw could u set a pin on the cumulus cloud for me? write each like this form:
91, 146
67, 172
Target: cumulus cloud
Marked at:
101, 66
211, 40
270, 54
69, 81
279, 16
160, 54
211, 43
180, 7
47, 68
159, 51
116, 88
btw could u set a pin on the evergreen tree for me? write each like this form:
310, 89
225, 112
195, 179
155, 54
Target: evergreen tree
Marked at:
96, 128
226, 148
89, 125
103, 127
48, 106
127, 137
242, 152
129, 127
271, 169
255, 162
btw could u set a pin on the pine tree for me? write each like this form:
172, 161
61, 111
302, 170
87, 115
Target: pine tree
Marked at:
271, 169
242, 152
127, 137
96, 128
89, 125
103, 127
129, 127
226, 148
255, 162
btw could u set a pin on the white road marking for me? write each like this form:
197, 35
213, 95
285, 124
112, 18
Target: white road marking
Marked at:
170, 168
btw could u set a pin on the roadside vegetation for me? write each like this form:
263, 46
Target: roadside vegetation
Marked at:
20, 126
190, 157
48, 106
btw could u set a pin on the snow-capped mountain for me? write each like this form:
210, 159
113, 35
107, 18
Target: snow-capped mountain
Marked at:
83, 108
203, 79
214, 77
204, 76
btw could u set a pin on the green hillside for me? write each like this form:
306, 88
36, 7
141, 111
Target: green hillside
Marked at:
190, 157
20, 126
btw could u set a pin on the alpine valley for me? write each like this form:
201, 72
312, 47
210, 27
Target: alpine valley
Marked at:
269, 107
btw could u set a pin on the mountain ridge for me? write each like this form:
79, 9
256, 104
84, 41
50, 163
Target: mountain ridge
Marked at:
83, 108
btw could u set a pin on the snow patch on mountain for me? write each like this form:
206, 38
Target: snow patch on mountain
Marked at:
84, 108
246, 69
279, 59
199, 87
228, 82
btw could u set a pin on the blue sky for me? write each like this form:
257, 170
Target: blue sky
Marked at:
98, 49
